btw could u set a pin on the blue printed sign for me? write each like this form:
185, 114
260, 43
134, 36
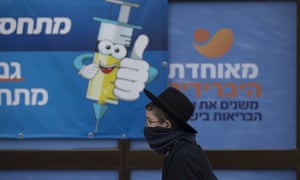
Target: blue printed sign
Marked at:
77, 69
238, 65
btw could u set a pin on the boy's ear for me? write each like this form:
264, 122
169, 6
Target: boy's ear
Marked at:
168, 123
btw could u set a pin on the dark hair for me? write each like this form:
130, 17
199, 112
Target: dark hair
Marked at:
160, 114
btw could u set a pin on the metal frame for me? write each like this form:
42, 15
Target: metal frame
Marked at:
124, 159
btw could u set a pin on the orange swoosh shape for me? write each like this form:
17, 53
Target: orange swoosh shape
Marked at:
219, 44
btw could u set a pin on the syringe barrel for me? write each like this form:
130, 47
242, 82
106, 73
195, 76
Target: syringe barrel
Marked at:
115, 33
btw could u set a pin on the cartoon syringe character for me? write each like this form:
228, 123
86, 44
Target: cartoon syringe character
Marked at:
112, 74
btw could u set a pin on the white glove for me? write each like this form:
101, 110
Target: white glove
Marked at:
89, 71
133, 72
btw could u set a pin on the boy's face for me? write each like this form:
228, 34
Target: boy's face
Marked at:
153, 121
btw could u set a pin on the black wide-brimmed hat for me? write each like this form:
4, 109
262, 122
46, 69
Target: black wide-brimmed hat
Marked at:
176, 104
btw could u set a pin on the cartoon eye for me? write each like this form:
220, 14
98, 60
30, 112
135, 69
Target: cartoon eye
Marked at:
119, 51
105, 47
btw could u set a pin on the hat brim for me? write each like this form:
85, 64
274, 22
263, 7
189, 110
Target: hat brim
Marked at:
181, 122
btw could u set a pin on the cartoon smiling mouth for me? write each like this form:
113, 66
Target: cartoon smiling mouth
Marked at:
107, 68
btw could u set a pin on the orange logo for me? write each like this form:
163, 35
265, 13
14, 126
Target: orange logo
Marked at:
215, 46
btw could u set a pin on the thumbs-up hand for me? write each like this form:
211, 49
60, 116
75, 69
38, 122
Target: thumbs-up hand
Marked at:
133, 72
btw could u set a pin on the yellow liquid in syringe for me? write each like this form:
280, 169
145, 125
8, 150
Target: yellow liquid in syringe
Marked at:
101, 87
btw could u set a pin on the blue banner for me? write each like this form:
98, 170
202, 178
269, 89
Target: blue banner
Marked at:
238, 64
76, 69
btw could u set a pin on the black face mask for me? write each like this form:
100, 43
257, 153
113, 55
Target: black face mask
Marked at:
162, 139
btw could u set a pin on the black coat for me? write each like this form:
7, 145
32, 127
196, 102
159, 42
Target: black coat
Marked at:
187, 161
